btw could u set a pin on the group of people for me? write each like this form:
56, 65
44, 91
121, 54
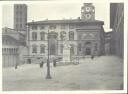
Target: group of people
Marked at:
42, 63
54, 62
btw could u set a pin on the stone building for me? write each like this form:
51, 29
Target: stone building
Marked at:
13, 47
14, 40
117, 24
85, 35
20, 17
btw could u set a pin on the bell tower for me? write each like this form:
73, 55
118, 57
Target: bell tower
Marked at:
88, 12
20, 17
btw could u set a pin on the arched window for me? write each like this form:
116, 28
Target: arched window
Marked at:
61, 48
34, 35
62, 35
42, 48
42, 35
72, 50
53, 35
71, 35
34, 49
79, 47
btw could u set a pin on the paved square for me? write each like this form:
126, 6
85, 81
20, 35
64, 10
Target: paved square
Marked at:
101, 73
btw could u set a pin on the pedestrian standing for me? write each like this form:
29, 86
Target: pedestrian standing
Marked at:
41, 64
16, 66
92, 57
54, 62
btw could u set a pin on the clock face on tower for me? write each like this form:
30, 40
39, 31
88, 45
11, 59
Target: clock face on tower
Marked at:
88, 12
88, 16
88, 9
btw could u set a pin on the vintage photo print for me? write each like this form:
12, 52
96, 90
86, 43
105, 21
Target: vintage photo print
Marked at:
64, 46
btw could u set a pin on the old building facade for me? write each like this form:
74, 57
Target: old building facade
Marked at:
85, 35
14, 40
13, 47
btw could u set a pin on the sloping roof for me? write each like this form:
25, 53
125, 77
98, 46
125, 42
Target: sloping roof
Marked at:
66, 21
10, 40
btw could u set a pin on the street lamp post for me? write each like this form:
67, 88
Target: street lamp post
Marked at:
48, 76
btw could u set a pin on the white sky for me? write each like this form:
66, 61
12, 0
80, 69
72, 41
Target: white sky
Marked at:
56, 10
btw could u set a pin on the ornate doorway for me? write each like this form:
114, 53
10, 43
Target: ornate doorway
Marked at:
88, 51
87, 48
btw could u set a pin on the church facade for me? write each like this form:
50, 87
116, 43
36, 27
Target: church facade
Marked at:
13, 47
85, 35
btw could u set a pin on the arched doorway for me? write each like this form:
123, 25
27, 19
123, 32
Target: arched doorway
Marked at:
87, 48
88, 51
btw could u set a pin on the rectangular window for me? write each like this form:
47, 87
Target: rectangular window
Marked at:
34, 49
52, 26
42, 49
42, 35
34, 36
71, 35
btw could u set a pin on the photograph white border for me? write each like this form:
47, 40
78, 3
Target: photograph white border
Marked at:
72, 92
